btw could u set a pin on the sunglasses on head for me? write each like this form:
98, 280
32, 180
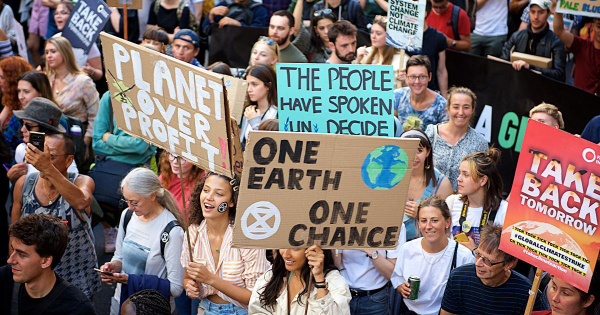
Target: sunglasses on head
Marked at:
381, 18
323, 12
269, 41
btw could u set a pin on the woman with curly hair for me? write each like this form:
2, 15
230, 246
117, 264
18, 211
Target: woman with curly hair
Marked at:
10, 70
220, 276
170, 174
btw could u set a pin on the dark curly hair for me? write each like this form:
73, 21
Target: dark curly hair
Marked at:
47, 233
273, 288
12, 68
196, 216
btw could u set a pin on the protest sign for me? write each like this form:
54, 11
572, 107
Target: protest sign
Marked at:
131, 4
337, 191
589, 8
405, 22
236, 95
85, 23
552, 216
171, 104
339, 99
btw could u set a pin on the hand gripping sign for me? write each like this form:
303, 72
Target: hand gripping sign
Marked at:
337, 191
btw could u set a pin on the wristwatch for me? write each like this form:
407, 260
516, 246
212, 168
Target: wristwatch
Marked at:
374, 255
453, 43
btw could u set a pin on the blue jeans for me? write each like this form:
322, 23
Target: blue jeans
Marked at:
376, 304
186, 306
211, 308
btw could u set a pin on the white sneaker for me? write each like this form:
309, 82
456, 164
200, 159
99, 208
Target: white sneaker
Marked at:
110, 236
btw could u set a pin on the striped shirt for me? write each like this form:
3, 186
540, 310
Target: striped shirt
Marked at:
466, 294
238, 266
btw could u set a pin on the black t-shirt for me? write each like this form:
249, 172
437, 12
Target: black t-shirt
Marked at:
71, 301
167, 19
434, 42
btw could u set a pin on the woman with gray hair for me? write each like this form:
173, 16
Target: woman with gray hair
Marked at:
141, 248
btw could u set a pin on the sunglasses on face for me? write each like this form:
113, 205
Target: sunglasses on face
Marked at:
29, 126
266, 39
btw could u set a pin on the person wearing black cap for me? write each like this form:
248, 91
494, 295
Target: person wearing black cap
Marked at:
186, 46
60, 193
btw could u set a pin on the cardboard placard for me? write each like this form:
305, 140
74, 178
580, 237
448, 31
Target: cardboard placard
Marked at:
589, 8
338, 99
236, 95
405, 23
131, 4
337, 191
169, 103
552, 216
85, 23
541, 62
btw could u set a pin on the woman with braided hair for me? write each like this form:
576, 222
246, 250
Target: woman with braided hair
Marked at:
146, 302
220, 276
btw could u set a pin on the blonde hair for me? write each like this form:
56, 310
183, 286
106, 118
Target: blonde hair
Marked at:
66, 51
550, 110
274, 48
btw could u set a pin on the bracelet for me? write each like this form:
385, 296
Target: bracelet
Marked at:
321, 286
320, 281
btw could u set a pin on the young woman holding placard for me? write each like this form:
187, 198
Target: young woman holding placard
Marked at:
284, 289
220, 276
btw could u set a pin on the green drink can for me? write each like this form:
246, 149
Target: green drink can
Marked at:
414, 283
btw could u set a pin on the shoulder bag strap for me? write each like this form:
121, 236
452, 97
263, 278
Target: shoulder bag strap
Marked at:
454, 257
14, 306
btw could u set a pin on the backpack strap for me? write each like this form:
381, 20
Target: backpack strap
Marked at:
492, 216
29, 185
164, 237
454, 21
128, 215
435, 136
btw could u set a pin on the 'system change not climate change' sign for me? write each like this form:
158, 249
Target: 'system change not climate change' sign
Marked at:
552, 217
338, 99
337, 191
171, 104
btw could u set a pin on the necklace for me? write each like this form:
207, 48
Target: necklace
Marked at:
440, 258
47, 194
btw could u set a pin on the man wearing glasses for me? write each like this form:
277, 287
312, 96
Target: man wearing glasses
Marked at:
59, 193
489, 286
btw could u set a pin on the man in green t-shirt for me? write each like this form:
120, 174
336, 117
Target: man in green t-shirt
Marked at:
281, 27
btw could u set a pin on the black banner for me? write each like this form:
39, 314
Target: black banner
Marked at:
504, 98
232, 44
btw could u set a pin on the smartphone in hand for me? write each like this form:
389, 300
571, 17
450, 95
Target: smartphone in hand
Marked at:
108, 273
37, 139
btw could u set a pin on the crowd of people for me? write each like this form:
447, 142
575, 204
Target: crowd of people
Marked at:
69, 167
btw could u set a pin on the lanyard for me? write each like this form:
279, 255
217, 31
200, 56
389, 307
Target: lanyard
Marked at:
463, 215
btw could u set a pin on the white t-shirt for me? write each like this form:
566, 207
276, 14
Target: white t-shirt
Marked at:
491, 18
359, 271
473, 216
20, 157
414, 261
81, 58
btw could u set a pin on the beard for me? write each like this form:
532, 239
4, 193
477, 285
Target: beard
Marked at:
280, 40
349, 57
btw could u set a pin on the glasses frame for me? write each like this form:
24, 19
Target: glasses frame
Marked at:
129, 203
420, 78
486, 261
